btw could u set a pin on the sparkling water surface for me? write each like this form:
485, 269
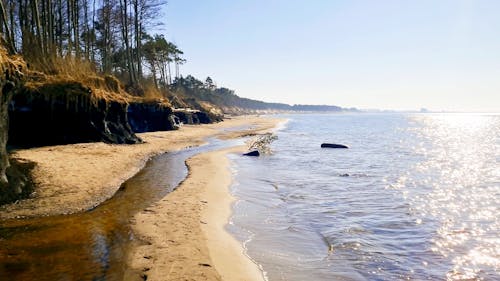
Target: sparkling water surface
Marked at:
415, 197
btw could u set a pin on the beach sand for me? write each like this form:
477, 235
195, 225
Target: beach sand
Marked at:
77, 177
181, 237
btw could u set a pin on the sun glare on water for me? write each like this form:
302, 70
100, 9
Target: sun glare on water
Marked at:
456, 188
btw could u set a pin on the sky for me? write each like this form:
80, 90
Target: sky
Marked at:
396, 55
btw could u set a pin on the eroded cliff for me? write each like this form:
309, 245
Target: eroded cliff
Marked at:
14, 180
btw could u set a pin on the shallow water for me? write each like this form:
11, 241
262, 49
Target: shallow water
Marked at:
415, 197
91, 245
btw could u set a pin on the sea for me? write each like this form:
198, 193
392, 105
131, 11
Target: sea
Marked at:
414, 197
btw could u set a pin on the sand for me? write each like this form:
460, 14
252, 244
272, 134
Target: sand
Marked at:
182, 236
78, 177
224, 249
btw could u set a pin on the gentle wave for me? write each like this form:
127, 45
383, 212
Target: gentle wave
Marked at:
414, 197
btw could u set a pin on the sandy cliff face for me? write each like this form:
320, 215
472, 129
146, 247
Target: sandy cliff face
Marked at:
65, 112
14, 183
10, 78
150, 117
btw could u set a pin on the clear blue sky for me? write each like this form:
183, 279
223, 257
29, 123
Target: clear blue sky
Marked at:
442, 55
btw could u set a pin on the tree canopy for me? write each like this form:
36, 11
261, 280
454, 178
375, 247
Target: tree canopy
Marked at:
111, 35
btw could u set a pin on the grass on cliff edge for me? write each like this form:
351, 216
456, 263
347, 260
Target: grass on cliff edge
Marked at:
59, 72
10, 64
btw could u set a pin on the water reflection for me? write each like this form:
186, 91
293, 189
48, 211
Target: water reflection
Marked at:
456, 189
77, 247
90, 245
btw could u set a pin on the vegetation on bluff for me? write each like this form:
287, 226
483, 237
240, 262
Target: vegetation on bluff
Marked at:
228, 102
109, 36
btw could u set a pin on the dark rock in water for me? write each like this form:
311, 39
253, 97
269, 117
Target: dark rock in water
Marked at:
343, 175
333, 145
65, 112
252, 153
151, 117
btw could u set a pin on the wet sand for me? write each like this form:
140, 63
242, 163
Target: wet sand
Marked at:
181, 237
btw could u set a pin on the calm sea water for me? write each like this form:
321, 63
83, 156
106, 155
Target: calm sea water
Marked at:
415, 197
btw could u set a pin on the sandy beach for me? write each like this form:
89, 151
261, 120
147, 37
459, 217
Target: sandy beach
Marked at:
181, 237
77, 177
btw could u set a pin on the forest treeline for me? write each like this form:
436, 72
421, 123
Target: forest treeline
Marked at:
111, 36
227, 99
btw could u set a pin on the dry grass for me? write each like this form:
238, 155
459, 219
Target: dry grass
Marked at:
70, 67
153, 94
67, 73
58, 73
211, 108
11, 64
69, 70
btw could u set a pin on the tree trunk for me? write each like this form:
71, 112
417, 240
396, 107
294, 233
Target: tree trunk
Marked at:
92, 51
162, 74
38, 28
86, 30
169, 74
176, 69
138, 37
125, 34
7, 32
69, 13
44, 25
106, 56
51, 37
12, 25
60, 27
76, 27
153, 71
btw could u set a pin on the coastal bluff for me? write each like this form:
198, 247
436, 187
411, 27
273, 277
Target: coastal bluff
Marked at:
66, 112
40, 110
14, 181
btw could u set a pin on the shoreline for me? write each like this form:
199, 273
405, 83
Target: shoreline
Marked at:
183, 236
78, 177
224, 248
